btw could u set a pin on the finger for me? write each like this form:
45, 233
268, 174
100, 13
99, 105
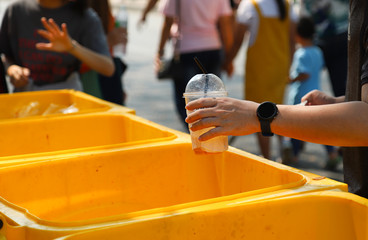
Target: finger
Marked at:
203, 123
45, 34
214, 132
16, 75
54, 27
26, 72
65, 29
199, 114
44, 46
201, 103
47, 25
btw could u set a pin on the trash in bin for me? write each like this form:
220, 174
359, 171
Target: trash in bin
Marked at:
33, 109
31, 104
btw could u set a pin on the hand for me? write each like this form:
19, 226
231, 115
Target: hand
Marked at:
317, 97
228, 116
59, 38
141, 22
157, 63
117, 35
19, 76
229, 69
290, 80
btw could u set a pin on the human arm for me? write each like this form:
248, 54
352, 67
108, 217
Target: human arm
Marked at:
150, 5
340, 124
226, 34
301, 77
117, 35
240, 31
165, 34
60, 41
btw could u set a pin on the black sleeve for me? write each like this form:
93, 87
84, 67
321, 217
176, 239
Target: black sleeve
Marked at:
5, 35
364, 73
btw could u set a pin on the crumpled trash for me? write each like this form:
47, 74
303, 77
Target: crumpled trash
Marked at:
54, 108
33, 109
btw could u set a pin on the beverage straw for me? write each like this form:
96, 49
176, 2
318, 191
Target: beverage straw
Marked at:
199, 64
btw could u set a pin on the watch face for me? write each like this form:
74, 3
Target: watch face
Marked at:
267, 110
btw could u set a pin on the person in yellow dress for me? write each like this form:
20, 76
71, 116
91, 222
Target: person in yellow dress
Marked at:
270, 25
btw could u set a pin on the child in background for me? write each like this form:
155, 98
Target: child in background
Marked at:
304, 77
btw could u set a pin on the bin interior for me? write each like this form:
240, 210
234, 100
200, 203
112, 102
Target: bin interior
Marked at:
45, 135
20, 104
92, 186
317, 217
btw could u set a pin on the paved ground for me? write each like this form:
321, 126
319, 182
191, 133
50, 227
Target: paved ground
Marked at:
152, 99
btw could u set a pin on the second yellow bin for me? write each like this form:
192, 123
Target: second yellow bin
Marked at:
47, 136
100, 188
318, 216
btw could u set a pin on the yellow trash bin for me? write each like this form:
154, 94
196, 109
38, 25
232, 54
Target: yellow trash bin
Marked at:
52, 103
44, 137
93, 190
318, 216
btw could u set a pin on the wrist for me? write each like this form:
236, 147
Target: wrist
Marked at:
266, 113
73, 46
160, 53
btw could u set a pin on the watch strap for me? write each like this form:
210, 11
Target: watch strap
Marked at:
266, 128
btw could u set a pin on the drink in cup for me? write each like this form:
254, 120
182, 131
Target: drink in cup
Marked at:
202, 86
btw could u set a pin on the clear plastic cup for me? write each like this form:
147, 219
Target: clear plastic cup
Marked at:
202, 86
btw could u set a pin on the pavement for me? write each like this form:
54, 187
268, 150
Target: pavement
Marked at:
153, 99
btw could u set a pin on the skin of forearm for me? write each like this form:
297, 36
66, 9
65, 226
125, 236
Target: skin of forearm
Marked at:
165, 33
226, 34
238, 40
340, 124
98, 62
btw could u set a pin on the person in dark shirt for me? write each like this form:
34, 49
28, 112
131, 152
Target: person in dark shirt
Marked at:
42, 54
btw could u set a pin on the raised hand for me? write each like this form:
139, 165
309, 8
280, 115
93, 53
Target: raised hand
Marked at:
59, 39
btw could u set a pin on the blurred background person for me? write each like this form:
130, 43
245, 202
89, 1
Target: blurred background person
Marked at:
42, 54
108, 88
331, 18
304, 77
270, 26
204, 32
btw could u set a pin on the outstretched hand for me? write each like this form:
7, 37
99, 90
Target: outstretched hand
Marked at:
59, 39
227, 116
317, 97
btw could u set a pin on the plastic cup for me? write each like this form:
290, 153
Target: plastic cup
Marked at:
214, 145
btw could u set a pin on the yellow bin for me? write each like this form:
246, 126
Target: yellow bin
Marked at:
68, 194
318, 216
52, 102
44, 137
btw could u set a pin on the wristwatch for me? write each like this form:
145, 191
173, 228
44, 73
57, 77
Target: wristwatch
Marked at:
266, 112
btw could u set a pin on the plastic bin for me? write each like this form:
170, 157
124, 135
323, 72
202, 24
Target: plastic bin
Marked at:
48, 136
93, 190
317, 216
31, 104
